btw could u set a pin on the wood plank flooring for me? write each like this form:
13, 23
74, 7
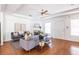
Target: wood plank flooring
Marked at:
59, 47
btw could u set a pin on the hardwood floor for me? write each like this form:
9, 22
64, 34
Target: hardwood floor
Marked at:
60, 47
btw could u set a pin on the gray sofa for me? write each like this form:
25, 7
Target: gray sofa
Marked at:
29, 44
16, 38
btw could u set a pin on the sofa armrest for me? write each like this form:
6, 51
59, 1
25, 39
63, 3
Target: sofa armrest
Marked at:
27, 44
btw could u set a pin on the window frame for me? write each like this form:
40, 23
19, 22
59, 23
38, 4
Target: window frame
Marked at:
74, 31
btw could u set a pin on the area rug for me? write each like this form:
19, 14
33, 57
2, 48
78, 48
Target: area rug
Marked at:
15, 44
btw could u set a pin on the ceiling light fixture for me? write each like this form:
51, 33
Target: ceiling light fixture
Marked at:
44, 12
30, 15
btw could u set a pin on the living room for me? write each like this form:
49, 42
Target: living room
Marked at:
56, 20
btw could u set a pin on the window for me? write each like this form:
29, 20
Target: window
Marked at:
48, 27
75, 27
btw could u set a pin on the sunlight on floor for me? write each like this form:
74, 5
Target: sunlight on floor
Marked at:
74, 50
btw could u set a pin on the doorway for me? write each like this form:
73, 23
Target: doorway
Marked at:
58, 27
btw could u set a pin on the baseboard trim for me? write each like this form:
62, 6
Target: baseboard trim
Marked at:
66, 40
7, 40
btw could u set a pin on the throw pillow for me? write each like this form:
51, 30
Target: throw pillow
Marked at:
15, 34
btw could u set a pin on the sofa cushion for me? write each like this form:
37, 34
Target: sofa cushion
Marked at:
26, 37
15, 34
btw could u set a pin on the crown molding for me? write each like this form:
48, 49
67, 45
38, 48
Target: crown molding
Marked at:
64, 13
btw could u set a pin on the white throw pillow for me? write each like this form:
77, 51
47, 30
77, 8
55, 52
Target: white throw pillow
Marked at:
26, 37
15, 34
20, 32
30, 35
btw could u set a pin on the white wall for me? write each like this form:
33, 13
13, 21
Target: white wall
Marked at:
69, 37
10, 20
39, 21
59, 27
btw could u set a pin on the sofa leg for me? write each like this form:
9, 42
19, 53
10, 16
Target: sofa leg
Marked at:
29, 52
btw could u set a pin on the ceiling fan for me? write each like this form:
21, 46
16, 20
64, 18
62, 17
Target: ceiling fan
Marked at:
44, 12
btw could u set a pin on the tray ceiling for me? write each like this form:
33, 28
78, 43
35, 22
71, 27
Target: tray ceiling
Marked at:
35, 9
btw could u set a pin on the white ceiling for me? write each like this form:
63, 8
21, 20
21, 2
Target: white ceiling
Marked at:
35, 9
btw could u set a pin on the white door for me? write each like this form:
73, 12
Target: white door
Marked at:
59, 29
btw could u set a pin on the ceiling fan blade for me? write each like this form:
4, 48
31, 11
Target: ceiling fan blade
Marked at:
46, 11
